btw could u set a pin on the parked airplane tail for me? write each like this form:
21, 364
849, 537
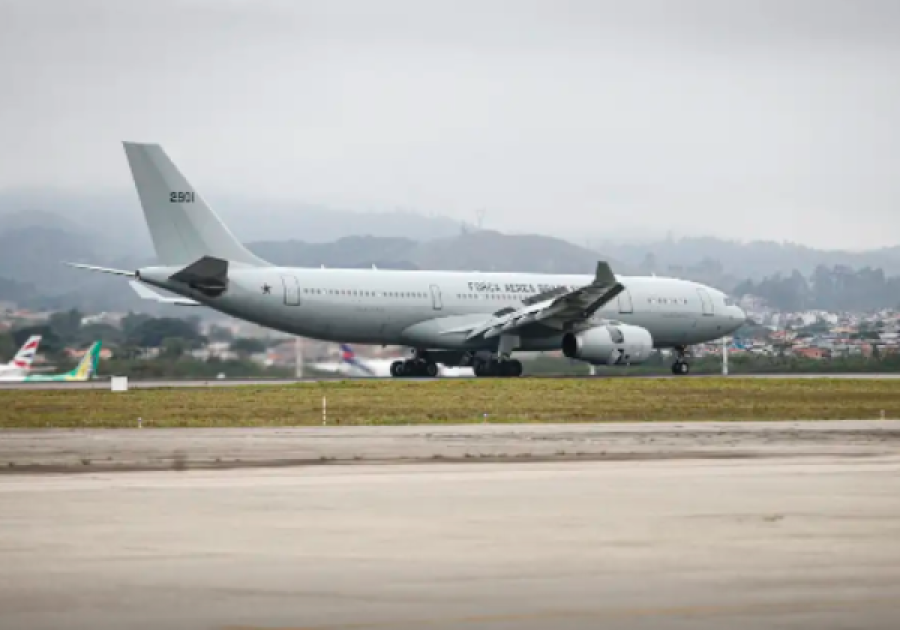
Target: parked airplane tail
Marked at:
183, 227
349, 356
25, 356
87, 367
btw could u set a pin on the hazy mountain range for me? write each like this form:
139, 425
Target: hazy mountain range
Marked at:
37, 232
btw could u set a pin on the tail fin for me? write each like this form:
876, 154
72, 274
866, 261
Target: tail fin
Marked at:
26, 353
87, 367
183, 227
347, 353
349, 356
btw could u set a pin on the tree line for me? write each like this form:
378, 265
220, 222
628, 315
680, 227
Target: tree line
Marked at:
173, 337
837, 288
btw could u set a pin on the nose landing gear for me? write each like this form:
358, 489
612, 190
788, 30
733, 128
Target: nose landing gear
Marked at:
681, 367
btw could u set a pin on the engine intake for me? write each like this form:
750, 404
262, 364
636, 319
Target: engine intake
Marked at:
615, 344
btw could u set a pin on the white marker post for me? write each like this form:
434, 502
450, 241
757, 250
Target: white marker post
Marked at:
724, 356
324, 411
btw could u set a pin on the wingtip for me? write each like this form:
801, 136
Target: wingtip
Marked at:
604, 272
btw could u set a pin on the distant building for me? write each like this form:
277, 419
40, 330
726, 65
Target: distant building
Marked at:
812, 353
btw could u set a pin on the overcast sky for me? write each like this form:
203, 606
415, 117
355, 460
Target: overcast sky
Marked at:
748, 119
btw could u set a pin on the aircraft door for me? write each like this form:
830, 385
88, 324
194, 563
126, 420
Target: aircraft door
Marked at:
436, 297
705, 302
291, 290
625, 305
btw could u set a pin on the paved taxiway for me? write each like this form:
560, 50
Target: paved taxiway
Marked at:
141, 384
739, 544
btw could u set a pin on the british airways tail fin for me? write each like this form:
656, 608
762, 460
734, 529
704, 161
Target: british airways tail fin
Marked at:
183, 227
25, 356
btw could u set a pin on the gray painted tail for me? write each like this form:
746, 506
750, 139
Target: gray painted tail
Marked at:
183, 227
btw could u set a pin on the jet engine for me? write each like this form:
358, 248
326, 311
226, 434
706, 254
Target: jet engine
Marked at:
614, 344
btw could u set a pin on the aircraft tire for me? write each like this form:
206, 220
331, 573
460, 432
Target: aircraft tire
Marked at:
431, 370
398, 369
681, 368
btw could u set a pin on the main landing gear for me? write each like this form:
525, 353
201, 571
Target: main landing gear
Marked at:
681, 367
421, 365
414, 367
495, 367
418, 365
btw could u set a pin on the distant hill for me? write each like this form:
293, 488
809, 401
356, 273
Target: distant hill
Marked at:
33, 257
34, 243
351, 252
118, 220
468, 251
494, 251
754, 260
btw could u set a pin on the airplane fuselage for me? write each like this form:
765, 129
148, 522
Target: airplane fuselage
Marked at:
417, 308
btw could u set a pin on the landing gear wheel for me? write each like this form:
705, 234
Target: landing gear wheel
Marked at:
681, 368
431, 370
508, 368
486, 368
512, 368
398, 369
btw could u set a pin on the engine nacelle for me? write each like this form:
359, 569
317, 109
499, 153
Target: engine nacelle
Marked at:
614, 344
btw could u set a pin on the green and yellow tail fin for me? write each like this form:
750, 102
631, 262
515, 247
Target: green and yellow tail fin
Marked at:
87, 367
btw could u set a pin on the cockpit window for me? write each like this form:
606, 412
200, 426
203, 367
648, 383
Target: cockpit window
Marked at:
729, 301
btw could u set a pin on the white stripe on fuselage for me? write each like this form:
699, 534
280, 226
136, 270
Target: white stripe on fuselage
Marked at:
377, 306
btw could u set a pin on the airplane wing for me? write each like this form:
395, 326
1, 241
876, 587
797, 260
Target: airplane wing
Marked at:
118, 272
557, 309
148, 294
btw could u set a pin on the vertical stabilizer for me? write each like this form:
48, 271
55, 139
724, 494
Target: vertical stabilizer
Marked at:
183, 227
25, 356
87, 367
349, 357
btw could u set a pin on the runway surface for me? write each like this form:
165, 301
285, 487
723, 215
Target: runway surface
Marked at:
804, 544
159, 384
93, 450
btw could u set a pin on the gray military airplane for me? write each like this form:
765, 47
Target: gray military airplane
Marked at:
450, 318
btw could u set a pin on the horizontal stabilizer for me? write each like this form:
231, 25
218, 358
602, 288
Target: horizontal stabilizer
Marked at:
208, 275
148, 294
118, 272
